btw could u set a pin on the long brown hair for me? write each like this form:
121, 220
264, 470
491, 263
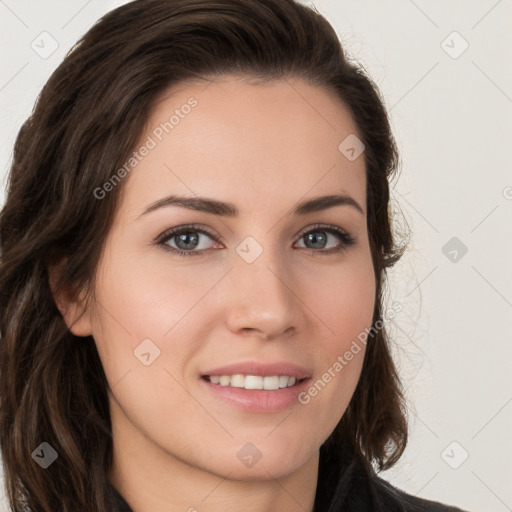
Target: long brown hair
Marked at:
86, 122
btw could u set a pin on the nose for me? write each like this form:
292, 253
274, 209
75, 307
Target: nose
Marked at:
262, 297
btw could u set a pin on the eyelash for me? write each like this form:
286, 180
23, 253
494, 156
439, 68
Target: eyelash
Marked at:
347, 240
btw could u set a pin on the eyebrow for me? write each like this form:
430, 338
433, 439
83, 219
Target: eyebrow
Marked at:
207, 205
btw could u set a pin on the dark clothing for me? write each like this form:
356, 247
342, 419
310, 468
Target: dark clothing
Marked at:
352, 488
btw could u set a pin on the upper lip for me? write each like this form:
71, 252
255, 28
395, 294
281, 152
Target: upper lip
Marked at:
261, 369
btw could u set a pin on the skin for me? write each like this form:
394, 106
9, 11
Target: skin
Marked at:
264, 148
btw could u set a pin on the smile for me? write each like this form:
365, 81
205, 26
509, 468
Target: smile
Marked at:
238, 380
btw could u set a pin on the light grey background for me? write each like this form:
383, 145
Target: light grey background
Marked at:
451, 114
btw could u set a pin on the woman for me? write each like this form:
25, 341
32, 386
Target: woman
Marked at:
194, 244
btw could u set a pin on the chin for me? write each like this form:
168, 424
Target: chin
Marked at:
267, 463
259, 472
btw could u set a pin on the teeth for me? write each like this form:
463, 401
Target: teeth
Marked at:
253, 381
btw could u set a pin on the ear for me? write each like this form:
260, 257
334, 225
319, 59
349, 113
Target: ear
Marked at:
74, 310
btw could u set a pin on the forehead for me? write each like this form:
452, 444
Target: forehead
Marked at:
247, 143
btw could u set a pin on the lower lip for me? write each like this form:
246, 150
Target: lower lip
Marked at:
257, 400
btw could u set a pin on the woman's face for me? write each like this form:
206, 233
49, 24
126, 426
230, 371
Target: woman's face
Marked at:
267, 285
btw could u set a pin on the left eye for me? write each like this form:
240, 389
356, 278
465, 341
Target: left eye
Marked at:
187, 240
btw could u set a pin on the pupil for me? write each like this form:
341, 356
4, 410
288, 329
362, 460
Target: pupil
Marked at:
314, 238
185, 238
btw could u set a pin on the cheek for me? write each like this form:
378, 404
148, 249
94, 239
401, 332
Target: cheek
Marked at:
144, 298
148, 297
144, 337
344, 301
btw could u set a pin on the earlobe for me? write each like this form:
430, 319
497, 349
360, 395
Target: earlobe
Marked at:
77, 319
73, 310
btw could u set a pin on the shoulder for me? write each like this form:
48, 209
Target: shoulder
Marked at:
396, 499
349, 483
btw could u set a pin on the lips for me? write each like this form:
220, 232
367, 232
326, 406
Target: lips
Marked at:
261, 369
264, 389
